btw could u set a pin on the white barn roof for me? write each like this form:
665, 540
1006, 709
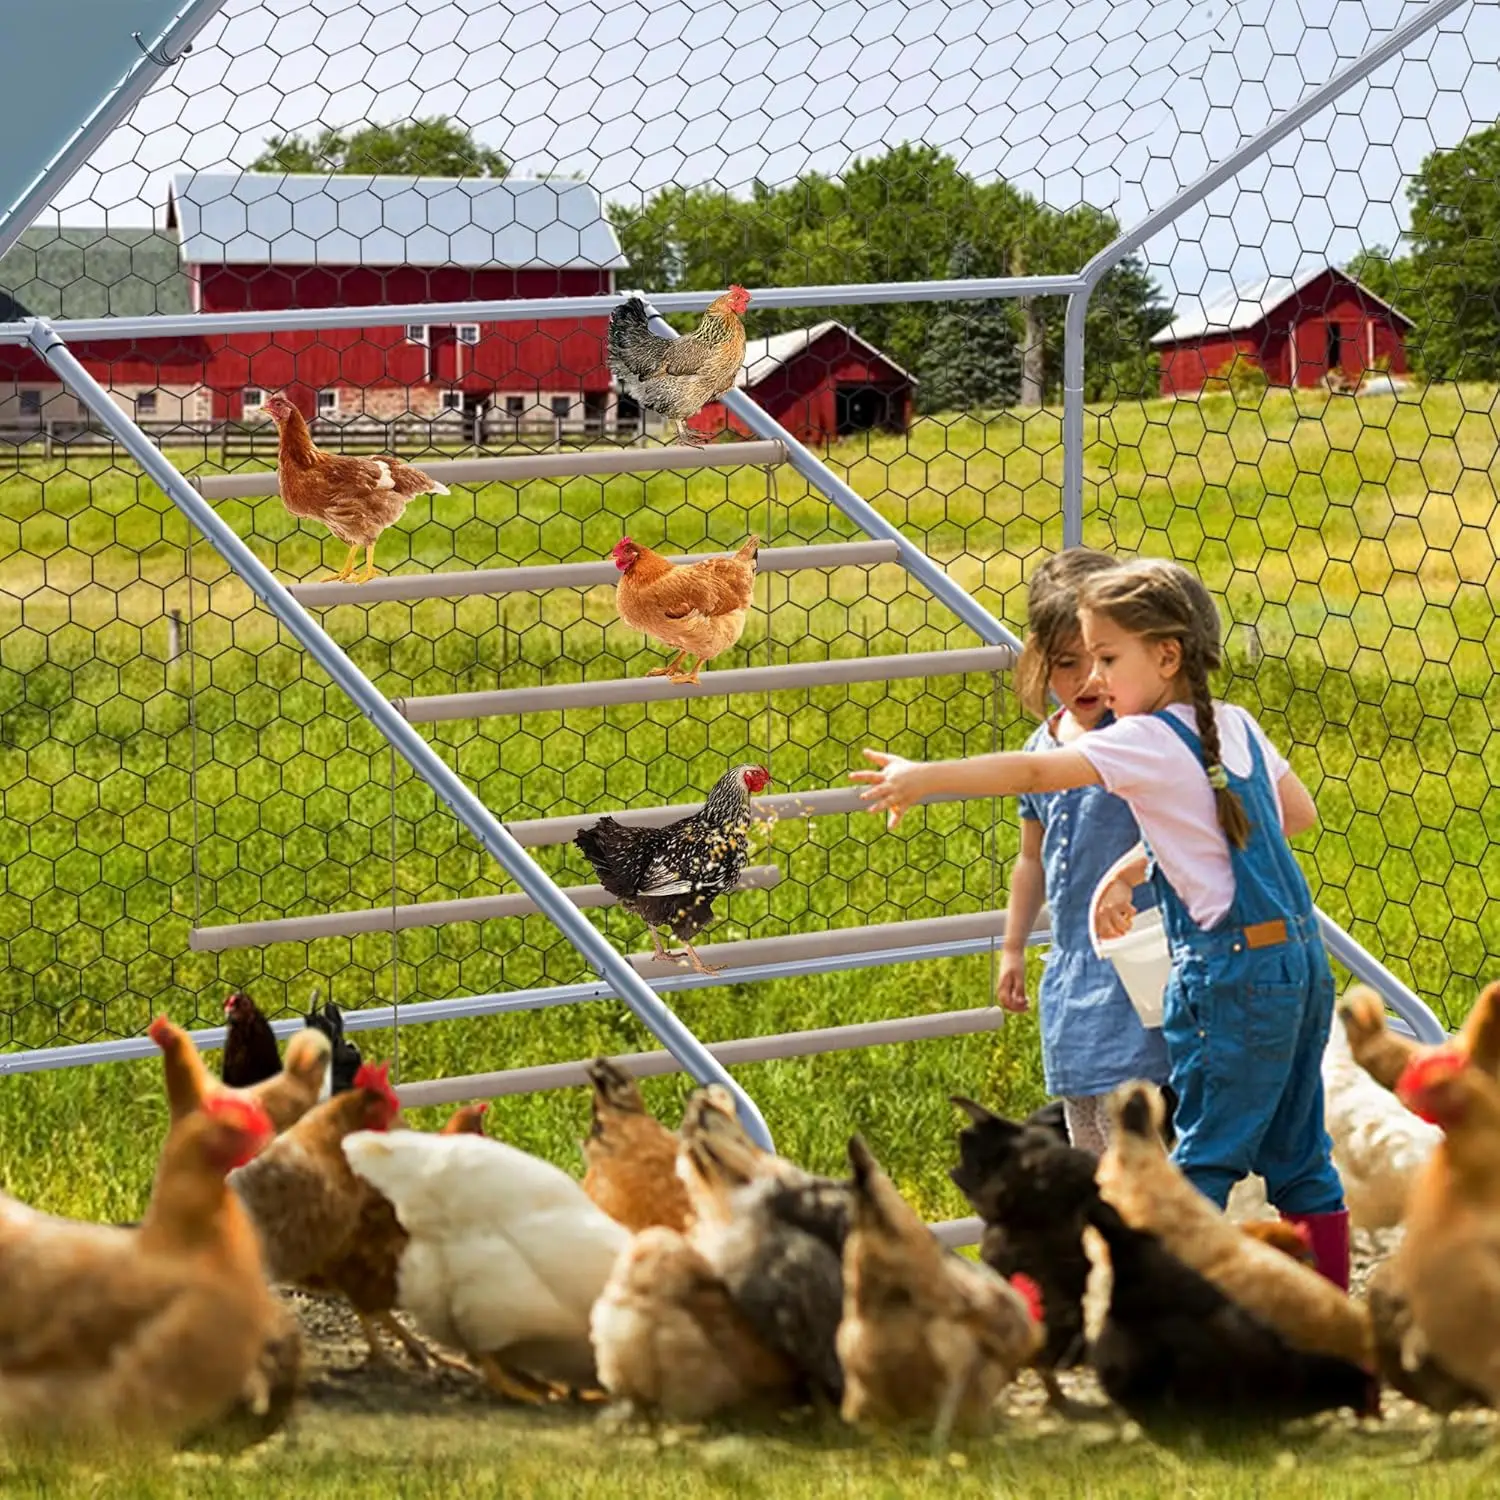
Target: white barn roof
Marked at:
1243, 307
764, 357
287, 219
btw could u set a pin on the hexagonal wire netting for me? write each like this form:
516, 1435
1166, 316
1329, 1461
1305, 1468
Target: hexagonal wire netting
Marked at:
1291, 387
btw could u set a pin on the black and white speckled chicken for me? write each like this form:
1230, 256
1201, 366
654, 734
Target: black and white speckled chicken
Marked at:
670, 877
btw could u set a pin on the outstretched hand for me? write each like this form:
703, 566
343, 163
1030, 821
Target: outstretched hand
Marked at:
894, 787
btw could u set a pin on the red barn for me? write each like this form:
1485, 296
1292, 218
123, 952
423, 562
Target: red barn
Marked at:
820, 383
246, 240
1296, 329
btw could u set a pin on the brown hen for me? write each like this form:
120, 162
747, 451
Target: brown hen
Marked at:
632, 1157
698, 609
355, 498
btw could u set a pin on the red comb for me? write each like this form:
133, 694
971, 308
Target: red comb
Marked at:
1421, 1073
1030, 1293
374, 1076
240, 1113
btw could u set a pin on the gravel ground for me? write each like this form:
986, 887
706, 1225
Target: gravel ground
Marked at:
339, 1378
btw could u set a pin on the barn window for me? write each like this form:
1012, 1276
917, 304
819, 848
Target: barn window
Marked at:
328, 403
416, 333
1334, 356
515, 406
145, 404
453, 400
562, 407
31, 403
252, 398
468, 333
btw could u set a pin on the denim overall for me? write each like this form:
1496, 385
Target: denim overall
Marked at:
1247, 1014
1092, 1039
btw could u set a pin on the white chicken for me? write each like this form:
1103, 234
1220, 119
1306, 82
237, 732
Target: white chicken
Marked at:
1379, 1146
506, 1256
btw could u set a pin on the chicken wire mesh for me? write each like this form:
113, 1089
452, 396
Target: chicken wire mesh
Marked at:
1319, 444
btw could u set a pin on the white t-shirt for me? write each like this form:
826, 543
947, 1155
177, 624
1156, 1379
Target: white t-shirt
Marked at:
1144, 762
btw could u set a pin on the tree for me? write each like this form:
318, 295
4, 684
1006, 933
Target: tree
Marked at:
413, 148
1455, 261
897, 217
970, 362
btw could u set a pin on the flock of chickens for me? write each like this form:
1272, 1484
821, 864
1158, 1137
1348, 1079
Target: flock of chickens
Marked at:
691, 1275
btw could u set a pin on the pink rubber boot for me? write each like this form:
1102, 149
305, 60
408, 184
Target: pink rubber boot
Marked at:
1329, 1237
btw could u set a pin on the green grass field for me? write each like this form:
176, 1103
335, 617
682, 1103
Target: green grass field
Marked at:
1353, 545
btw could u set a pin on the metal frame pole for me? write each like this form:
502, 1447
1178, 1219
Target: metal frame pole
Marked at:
1134, 238
449, 787
136, 83
529, 309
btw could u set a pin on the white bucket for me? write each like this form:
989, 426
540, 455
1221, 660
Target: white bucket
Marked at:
1141, 958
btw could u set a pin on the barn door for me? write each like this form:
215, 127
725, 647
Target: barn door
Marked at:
443, 355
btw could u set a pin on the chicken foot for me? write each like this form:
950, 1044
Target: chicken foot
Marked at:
514, 1385
698, 964
344, 574
422, 1355
670, 669
689, 438
690, 674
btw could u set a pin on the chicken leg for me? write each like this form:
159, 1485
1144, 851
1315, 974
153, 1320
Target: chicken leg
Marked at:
343, 574
670, 669
691, 674
698, 963
688, 437
370, 569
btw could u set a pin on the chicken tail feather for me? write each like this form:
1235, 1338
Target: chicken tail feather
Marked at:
604, 845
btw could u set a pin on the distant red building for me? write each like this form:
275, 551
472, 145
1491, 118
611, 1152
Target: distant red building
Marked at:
242, 241
1295, 329
820, 383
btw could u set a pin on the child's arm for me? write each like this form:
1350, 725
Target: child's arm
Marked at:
1298, 813
899, 783
1028, 891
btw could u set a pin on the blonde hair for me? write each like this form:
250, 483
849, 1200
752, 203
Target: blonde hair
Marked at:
1162, 601
1052, 619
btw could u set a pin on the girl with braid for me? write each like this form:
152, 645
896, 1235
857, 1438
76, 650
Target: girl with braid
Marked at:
1250, 1000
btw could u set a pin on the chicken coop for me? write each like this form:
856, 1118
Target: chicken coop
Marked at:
222, 771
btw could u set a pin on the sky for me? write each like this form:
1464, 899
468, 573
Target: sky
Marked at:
1115, 104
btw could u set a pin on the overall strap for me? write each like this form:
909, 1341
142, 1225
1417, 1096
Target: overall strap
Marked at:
1189, 737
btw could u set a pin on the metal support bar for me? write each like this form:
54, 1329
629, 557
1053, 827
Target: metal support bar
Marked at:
529, 309
957, 1232
1074, 322
536, 832
446, 783
416, 914
136, 83
861, 512
743, 1050
513, 1002
407, 588
440, 707
524, 468
1424, 1025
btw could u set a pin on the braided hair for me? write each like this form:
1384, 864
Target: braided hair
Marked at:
1162, 601
1052, 619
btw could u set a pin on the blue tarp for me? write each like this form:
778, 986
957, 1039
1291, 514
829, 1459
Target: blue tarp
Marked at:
64, 59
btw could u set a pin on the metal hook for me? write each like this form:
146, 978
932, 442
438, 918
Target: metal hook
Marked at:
160, 58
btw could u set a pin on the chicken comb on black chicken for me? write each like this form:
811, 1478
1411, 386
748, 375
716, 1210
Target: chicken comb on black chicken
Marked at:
671, 876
